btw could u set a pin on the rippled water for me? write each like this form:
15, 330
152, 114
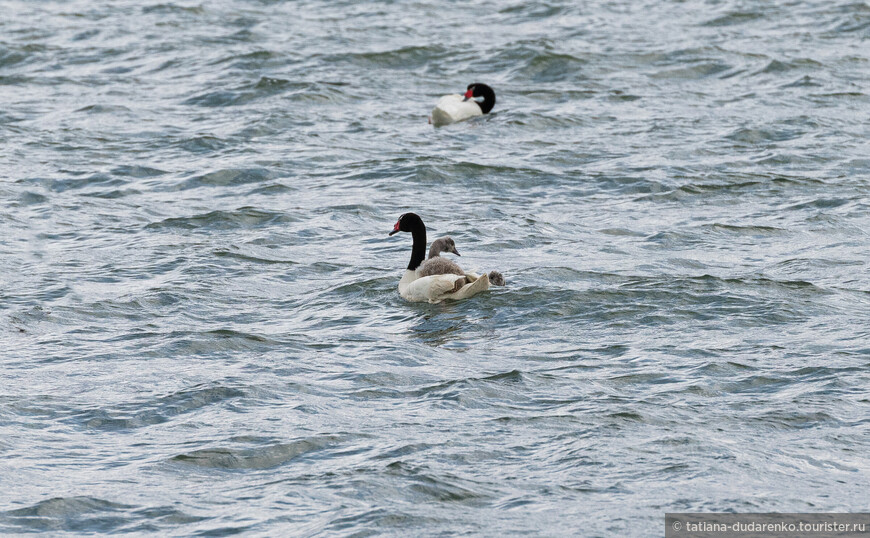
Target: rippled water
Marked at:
198, 311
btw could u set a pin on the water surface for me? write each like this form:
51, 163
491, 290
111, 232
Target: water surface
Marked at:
199, 320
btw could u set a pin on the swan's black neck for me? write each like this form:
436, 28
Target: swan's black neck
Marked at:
418, 251
479, 89
411, 222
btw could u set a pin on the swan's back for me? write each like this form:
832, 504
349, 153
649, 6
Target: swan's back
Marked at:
452, 108
434, 288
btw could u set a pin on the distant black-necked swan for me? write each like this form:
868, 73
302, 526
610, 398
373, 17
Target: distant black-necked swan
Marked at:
435, 286
477, 101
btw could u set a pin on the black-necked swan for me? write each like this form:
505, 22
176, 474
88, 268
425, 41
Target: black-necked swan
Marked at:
477, 101
432, 288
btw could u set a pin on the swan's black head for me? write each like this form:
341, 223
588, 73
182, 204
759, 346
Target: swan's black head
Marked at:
408, 222
482, 94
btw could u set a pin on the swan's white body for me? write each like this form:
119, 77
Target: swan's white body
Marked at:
436, 288
453, 108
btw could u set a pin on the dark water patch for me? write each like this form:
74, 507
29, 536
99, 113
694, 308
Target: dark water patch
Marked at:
619, 95
6, 118
227, 177
69, 514
264, 87
240, 340
86, 35
260, 457
819, 203
722, 369
233, 253
27, 320
203, 144
137, 171
640, 379
741, 185
667, 301
537, 11
805, 81
113, 194
537, 62
405, 450
735, 18
750, 231
253, 61
32, 198
105, 109
118, 70
216, 99
60, 185
777, 66
10, 57
827, 99
242, 218
422, 484
698, 69
813, 265
758, 384
273, 189
404, 58
752, 136
173, 9
450, 390
855, 17
225, 531
552, 67
163, 515
530, 119
145, 413
257, 132
272, 86
795, 421
374, 522
466, 175
139, 307
626, 417
545, 94
14, 55
365, 289
220, 342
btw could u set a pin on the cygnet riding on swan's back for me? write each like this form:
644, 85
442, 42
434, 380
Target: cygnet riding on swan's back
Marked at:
477, 101
436, 265
434, 287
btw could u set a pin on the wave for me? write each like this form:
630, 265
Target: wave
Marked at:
258, 457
